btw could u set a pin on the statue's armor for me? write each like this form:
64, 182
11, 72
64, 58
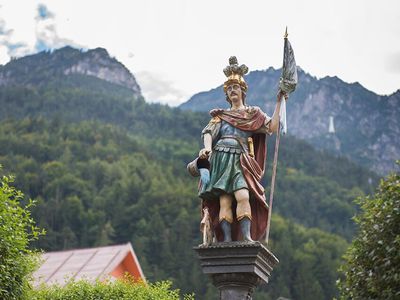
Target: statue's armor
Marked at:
228, 139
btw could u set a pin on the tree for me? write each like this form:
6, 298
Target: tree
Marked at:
17, 229
372, 262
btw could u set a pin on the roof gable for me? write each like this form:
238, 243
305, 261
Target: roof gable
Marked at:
90, 264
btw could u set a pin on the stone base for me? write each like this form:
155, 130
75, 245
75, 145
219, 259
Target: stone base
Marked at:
236, 268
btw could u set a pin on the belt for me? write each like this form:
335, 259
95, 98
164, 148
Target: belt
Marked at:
239, 139
242, 142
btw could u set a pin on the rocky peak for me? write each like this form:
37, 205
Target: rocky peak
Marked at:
38, 68
98, 63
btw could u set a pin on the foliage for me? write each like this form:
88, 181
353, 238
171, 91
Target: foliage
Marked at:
105, 168
372, 263
17, 229
77, 98
309, 259
117, 290
98, 184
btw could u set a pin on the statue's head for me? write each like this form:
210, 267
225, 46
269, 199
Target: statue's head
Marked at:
235, 92
235, 85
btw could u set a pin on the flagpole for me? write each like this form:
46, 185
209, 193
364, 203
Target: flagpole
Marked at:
275, 163
286, 64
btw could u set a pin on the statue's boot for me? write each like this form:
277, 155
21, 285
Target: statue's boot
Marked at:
245, 225
226, 229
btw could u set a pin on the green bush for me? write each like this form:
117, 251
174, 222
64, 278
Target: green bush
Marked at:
17, 229
117, 290
372, 263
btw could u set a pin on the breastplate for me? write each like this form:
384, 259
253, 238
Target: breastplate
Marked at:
227, 143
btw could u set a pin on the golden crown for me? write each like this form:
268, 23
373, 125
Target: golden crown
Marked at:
235, 74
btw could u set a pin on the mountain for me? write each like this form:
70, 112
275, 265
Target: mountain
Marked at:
367, 125
36, 69
106, 167
74, 86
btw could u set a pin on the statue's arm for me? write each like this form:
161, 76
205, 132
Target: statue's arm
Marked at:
281, 96
206, 151
209, 134
271, 124
274, 123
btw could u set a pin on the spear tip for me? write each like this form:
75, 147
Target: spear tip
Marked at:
286, 34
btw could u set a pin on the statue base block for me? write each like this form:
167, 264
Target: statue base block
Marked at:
236, 268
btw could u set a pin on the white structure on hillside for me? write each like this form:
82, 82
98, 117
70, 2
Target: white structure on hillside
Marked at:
331, 126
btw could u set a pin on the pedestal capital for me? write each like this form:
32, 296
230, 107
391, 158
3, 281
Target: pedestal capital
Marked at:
236, 268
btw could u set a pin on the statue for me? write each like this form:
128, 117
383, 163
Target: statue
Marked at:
232, 163
230, 167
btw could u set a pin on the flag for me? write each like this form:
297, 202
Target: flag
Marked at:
288, 80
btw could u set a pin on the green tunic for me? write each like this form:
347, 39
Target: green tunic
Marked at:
225, 177
226, 174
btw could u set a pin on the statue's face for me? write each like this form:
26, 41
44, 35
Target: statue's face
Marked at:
234, 93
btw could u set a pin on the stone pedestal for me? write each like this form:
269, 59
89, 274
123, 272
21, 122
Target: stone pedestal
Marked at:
236, 268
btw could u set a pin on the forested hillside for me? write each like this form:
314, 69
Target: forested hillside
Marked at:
105, 167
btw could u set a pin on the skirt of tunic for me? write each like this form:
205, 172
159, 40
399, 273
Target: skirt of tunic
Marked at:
225, 176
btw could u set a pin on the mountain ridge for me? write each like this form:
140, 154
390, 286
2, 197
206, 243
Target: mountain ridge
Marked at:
95, 62
358, 113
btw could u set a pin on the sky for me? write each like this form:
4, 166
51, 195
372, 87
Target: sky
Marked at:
177, 48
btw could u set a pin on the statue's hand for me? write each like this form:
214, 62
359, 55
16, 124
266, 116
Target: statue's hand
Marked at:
215, 112
281, 94
205, 153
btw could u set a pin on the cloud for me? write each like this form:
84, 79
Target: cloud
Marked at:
46, 31
11, 47
43, 12
3, 30
46, 36
393, 63
157, 88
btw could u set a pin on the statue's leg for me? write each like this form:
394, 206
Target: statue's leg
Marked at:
226, 216
243, 208
243, 212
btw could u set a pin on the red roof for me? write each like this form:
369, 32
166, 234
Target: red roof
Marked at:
91, 264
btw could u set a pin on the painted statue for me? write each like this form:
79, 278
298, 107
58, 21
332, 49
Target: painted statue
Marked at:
232, 162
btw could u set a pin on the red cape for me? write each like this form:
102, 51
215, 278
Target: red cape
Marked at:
253, 169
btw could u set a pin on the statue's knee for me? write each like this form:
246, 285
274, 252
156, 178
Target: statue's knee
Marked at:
242, 196
243, 208
225, 210
227, 204
226, 214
